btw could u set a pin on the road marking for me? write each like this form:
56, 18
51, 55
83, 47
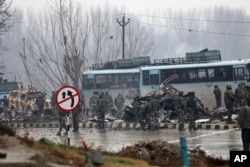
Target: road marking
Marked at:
205, 135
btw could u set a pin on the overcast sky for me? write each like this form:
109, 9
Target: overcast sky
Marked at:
145, 5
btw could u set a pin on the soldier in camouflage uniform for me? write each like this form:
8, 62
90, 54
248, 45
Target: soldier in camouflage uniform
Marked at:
153, 108
75, 119
229, 102
179, 108
191, 109
93, 102
109, 101
239, 95
247, 93
101, 110
62, 122
244, 124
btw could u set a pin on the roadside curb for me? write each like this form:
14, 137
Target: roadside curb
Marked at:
122, 125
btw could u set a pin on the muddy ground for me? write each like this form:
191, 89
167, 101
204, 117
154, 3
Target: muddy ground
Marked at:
44, 153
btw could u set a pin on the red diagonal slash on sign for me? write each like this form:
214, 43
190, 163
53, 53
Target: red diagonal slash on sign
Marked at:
62, 97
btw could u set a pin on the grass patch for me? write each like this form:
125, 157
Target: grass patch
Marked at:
123, 160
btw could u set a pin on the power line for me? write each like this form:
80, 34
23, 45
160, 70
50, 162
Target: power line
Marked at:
191, 19
194, 30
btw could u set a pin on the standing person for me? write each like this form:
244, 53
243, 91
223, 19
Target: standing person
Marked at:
217, 94
191, 108
119, 101
247, 93
101, 109
5, 106
62, 122
40, 105
244, 124
93, 102
109, 100
153, 107
179, 108
53, 103
229, 102
238, 94
75, 119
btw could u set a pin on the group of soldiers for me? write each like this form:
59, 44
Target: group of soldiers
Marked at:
187, 110
102, 104
232, 99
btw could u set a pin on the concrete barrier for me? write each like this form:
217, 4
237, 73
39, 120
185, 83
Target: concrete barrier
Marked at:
123, 125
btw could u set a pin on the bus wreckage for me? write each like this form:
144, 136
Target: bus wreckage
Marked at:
137, 112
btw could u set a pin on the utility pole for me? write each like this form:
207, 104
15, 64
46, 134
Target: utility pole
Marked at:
123, 24
23, 57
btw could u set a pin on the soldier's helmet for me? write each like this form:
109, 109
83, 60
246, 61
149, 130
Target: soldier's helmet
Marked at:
192, 94
181, 93
247, 85
229, 87
153, 94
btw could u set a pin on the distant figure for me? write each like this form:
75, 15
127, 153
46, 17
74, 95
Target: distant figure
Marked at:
62, 121
53, 103
93, 102
229, 102
109, 100
179, 104
5, 106
154, 104
239, 95
217, 94
75, 119
244, 124
191, 107
247, 93
40, 105
153, 108
101, 110
119, 101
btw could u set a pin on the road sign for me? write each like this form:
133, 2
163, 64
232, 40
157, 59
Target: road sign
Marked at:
68, 98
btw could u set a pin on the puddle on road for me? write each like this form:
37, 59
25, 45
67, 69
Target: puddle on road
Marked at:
217, 143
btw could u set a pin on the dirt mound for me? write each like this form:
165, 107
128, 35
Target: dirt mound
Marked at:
161, 153
45, 152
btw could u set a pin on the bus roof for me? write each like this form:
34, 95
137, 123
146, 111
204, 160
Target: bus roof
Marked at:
210, 64
112, 71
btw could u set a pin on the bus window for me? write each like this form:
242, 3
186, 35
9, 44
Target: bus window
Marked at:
154, 77
113, 81
201, 75
100, 81
88, 82
2, 87
239, 73
168, 73
224, 73
145, 77
210, 73
133, 80
192, 75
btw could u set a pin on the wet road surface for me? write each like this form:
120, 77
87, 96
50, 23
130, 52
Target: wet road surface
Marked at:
217, 143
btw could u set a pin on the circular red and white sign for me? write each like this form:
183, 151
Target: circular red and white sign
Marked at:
68, 98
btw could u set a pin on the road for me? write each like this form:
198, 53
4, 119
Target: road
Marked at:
217, 143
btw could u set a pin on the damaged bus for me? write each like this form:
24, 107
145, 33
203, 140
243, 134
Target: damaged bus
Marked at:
198, 72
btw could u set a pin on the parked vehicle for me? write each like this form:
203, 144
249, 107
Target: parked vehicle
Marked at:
23, 102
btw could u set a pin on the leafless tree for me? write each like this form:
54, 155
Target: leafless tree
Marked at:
140, 41
62, 43
6, 17
57, 46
